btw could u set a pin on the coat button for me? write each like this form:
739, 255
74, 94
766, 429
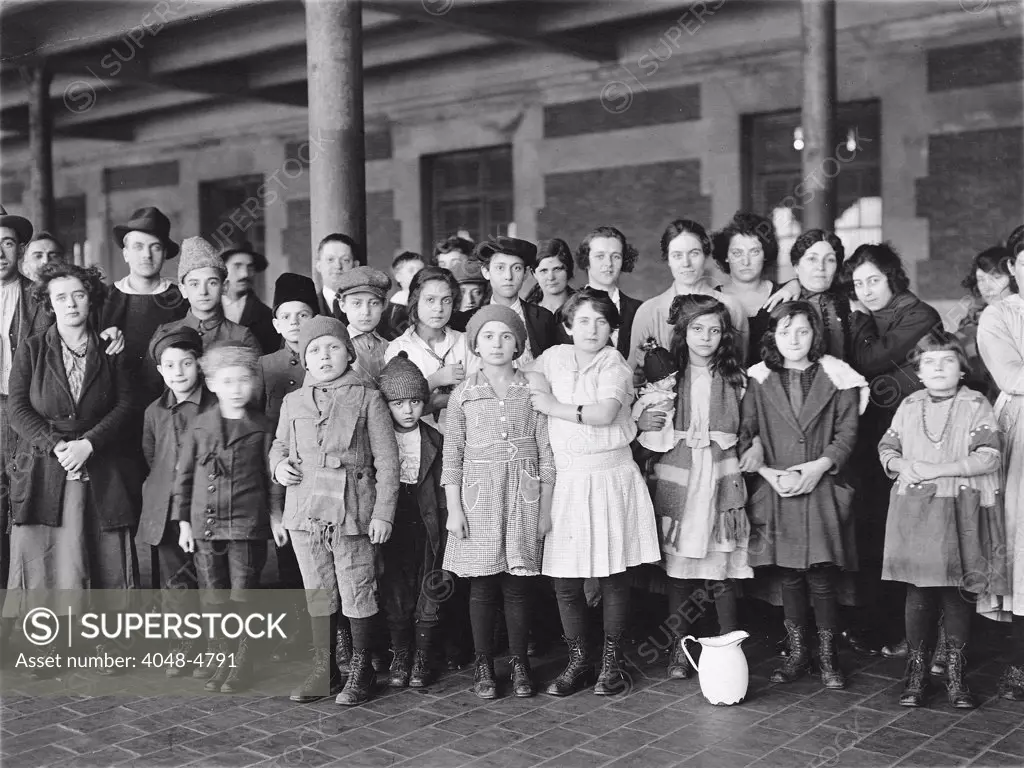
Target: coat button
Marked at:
211, 487
213, 476
291, 382
800, 440
359, 475
209, 534
294, 362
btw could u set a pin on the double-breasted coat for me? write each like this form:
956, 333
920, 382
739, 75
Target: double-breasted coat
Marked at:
43, 412
817, 527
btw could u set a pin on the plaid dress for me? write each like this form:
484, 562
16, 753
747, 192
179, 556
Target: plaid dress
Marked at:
498, 452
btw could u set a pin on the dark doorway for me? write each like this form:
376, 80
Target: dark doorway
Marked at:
231, 210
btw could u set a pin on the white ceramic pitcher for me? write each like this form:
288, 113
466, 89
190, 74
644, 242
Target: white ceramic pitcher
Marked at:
723, 671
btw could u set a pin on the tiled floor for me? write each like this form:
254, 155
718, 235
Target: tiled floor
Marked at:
657, 723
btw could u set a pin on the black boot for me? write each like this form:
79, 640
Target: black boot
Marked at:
577, 673
484, 684
360, 681
610, 681
828, 659
939, 657
240, 675
678, 665
798, 662
522, 677
323, 679
343, 647
219, 646
916, 681
399, 672
959, 694
422, 673
1011, 684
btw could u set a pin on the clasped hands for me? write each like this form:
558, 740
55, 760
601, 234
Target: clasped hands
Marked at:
72, 454
792, 481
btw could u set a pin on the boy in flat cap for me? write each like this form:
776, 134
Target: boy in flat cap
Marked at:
362, 293
166, 422
504, 261
413, 585
222, 499
335, 451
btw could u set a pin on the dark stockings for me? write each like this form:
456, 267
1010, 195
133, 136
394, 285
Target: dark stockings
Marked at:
688, 600
922, 614
484, 594
572, 605
821, 581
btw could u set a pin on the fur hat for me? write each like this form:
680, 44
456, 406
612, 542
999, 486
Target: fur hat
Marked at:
152, 221
324, 325
229, 354
197, 253
364, 280
658, 361
402, 379
22, 227
500, 314
512, 246
183, 336
293, 287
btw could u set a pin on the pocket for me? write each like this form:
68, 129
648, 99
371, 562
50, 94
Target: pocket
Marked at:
529, 487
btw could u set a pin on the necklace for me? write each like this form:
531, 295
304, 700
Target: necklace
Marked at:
945, 427
83, 347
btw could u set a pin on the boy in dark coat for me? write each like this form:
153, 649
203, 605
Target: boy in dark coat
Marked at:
413, 585
166, 422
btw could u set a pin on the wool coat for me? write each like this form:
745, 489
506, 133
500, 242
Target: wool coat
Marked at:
30, 318
348, 456
222, 486
43, 412
817, 527
282, 374
429, 493
259, 319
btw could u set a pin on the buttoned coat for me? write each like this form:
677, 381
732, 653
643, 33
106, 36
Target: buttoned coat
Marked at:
348, 456
429, 493
43, 412
223, 482
282, 374
817, 527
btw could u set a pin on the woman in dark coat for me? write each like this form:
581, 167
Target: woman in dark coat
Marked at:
886, 324
72, 502
817, 257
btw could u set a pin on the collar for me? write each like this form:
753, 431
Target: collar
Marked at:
329, 295
353, 333
613, 295
349, 378
124, 286
209, 324
198, 396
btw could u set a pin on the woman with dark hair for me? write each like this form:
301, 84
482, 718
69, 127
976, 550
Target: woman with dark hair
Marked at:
817, 257
747, 249
73, 503
887, 323
685, 247
605, 254
553, 272
989, 282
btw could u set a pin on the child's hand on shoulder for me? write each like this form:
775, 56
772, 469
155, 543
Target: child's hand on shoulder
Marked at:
185, 538
279, 532
380, 531
287, 473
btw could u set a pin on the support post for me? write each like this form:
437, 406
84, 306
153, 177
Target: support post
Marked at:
40, 139
337, 162
820, 165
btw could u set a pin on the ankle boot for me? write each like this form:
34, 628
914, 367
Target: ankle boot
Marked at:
360, 681
1011, 684
828, 659
240, 675
798, 662
611, 681
484, 684
678, 665
959, 694
399, 671
422, 673
916, 679
323, 679
577, 673
343, 647
939, 657
219, 647
522, 677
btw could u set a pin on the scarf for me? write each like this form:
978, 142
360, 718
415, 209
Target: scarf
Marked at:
724, 414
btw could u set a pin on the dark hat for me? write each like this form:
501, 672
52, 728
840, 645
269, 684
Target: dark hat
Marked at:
324, 325
500, 314
293, 287
259, 261
152, 221
22, 227
229, 354
468, 271
512, 246
658, 361
401, 379
197, 253
364, 280
183, 336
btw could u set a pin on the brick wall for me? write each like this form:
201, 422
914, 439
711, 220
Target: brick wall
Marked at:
970, 66
972, 198
639, 199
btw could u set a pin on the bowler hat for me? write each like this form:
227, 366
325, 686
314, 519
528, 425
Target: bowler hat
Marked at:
22, 227
152, 221
259, 261
512, 246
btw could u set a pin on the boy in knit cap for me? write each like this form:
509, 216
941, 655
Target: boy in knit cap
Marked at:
363, 292
413, 585
335, 451
225, 517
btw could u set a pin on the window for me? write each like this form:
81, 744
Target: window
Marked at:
468, 192
772, 162
231, 210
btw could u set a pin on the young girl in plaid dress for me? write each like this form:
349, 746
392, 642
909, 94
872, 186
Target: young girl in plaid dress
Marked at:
498, 474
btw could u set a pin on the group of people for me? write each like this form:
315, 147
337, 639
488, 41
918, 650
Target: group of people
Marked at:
423, 458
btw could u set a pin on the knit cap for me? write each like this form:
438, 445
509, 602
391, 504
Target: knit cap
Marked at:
229, 354
197, 253
401, 379
324, 325
500, 314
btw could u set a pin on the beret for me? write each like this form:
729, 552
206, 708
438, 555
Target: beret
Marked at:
496, 313
364, 280
182, 336
511, 246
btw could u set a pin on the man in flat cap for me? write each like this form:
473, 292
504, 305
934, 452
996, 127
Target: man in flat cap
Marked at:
362, 294
240, 302
504, 261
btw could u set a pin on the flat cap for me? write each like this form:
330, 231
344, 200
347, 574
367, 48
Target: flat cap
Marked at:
183, 336
468, 271
364, 280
